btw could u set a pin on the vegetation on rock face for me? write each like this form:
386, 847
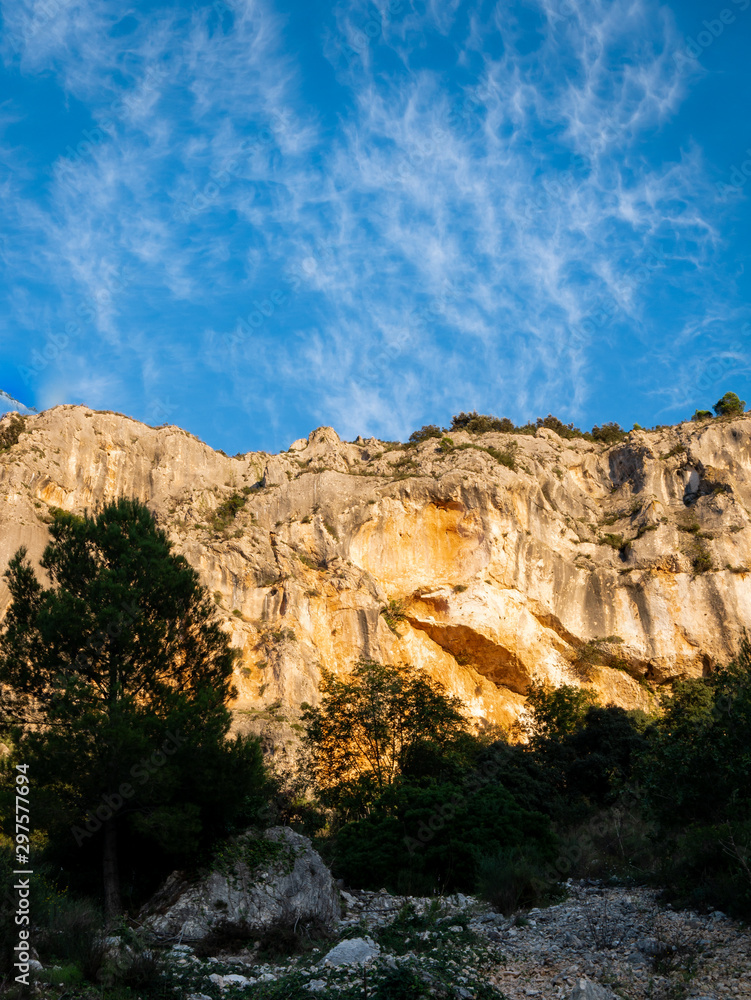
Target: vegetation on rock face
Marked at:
608, 433
477, 423
393, 613
227, 511
10, 433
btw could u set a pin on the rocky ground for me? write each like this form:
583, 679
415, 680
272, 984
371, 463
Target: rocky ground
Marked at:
600, 943
622, 939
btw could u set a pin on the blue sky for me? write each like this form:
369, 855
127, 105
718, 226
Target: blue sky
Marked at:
253, 217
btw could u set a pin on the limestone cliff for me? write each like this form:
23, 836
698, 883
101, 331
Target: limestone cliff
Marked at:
620, 567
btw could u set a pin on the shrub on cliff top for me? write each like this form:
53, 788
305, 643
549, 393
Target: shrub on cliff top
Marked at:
729, 405
425, 433
478, 423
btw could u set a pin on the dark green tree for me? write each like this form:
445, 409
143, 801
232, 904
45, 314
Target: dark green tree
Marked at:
369, 725
608, 434
425, 835
729, 405
117, 681
426, 432
696, 777
554, 713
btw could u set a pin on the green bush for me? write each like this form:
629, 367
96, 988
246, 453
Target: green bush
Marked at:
73, 935
696, 775
516, 877
476, 423
227, 511
13, 429
609, 434
402, 983
425, 433
708, 866
507, 457
566, 431
729, 405
702, 415
424, 836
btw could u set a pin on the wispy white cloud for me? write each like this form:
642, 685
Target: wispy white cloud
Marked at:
438, 238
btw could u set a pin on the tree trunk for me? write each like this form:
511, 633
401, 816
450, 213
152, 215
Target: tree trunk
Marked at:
112, 904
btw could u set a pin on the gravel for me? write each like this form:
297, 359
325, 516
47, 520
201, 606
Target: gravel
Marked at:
602, 943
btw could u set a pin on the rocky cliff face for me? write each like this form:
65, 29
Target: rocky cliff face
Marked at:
620, 567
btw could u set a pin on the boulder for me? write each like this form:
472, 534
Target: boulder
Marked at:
586, 990
266, 882
354, 951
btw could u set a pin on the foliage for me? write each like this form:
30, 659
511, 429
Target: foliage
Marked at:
506, 457
701, 557
608, 434
476, 423
516, 877
253, 852
393, 613
588, 753
729, 405
10, 433
554, 712
561, 429
227, 511
367, 725
425, 433
124, 662
603, 753
426, 835
702, 415
591, 654
617, 542
696, 774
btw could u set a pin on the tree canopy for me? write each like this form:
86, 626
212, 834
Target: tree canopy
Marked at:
116, 680
370, 725
729, 405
